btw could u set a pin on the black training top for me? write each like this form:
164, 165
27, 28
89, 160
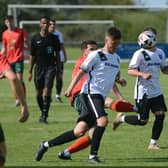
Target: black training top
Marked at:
44, 49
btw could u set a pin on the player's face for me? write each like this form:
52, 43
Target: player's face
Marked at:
44, 24
90, 47
51, 26
111, 44
9, 23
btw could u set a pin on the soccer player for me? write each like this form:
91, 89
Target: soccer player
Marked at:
45, 49
63, 59
146, 64
102, 67
119, 105
14, 41
6, 71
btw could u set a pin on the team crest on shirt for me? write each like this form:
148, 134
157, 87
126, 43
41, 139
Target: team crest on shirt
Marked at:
146, 56
102, 56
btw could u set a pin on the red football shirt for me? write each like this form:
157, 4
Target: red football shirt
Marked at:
76, 90
13, 41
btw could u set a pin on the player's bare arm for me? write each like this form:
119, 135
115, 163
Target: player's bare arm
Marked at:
135, 72
31, 65
74, 82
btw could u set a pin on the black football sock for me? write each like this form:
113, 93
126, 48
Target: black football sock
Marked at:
133, 120
46, 105
59, 85
40, 102
95, 142
63, 138
157, 126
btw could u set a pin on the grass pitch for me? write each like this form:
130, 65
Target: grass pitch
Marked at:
125, 147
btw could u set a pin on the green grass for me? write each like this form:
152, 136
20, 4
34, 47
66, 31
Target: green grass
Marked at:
125, 147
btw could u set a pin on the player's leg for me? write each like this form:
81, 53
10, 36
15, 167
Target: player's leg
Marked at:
18, 68
97, 109
80, 144
48, 85
59, 84
143, 107
17, 88
68, 136
159, 108
119, 105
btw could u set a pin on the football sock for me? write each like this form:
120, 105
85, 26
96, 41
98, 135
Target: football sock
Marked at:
95, 143
81, 143
133, 120
122, 106
63, 138
59, 85
40, 102
46, 105
157, 126
153, 141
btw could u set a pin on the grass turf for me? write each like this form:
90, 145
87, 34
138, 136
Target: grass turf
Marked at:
125, 147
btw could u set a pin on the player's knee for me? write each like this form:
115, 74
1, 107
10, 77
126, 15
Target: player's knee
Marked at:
102, 121
79, 132
160, 117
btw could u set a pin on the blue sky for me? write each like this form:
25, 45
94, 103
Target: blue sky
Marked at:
152, 2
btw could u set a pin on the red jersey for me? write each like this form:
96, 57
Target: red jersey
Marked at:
13, 41
4, 65
76, 90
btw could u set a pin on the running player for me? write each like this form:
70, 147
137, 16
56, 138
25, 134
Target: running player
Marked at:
102, 67
146, 64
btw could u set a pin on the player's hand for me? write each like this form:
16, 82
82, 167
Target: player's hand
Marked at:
122, 82
30, 77
146, 76
67, 93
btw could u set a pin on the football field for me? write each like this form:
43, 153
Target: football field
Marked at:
125, 147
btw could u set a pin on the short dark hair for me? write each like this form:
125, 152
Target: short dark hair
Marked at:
87, 42
151, 29
8, 17
45, 17
114, 33
52, 20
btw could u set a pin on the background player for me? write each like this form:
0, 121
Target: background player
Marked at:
14, 42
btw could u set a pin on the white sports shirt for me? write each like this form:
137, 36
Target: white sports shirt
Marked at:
101, 72
148, 62
60, 37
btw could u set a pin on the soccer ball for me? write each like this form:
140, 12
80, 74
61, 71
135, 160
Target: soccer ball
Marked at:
147, 39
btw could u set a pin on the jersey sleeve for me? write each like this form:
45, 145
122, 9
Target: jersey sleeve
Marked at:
163, 60
89, 62
135, 60
32, 47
